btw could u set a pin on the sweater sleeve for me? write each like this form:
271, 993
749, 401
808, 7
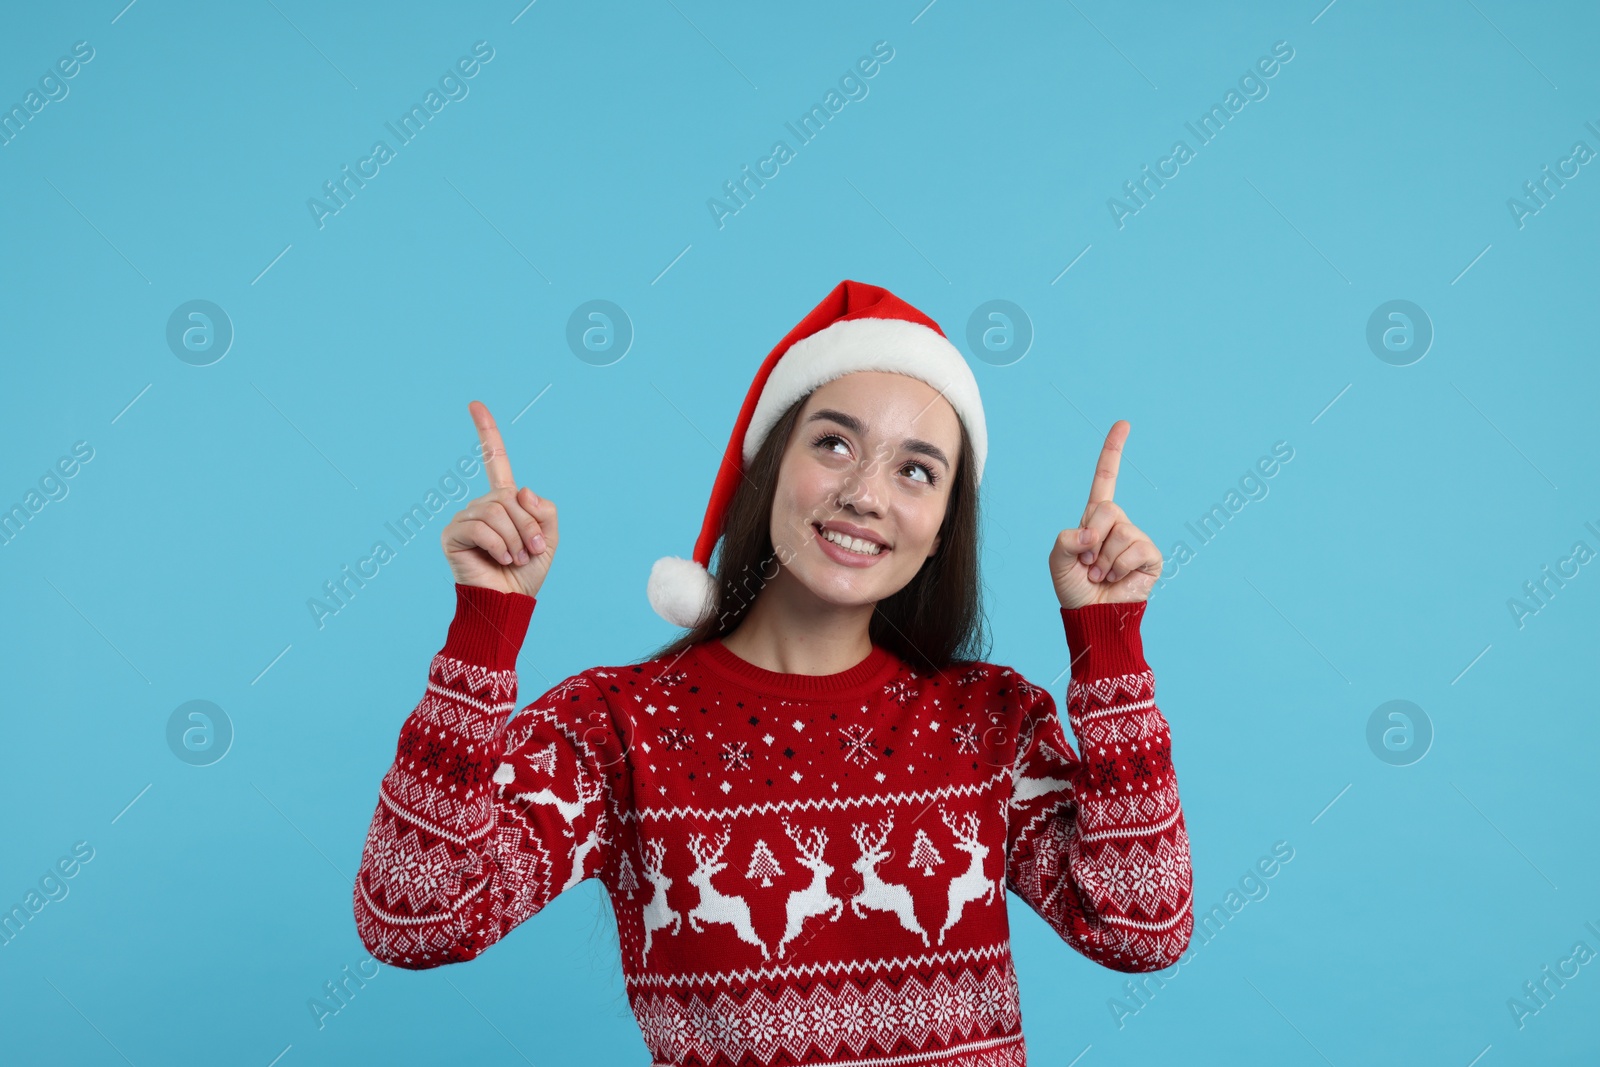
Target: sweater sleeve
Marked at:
1097, 845
483, 819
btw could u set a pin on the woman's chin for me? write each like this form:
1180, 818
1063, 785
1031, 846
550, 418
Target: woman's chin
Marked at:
849, 591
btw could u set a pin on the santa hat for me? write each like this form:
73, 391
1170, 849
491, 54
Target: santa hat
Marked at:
857, 327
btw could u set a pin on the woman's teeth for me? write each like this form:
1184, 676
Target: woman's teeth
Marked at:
854, 544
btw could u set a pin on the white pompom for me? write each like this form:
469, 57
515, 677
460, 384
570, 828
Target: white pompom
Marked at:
681, 591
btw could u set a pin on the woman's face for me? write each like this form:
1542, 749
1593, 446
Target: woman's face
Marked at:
871, 458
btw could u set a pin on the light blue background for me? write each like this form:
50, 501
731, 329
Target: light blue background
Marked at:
1227, 315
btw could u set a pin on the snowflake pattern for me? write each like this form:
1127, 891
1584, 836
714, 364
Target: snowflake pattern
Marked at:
901, 691
675, 739
965, 738
975, 674
1105, 770
1144, 878
419, 878
566, 690
735, 756
857, 743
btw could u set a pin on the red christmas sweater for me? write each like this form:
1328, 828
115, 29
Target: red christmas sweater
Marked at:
804, 869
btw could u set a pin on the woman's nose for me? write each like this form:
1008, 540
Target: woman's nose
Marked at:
863, 491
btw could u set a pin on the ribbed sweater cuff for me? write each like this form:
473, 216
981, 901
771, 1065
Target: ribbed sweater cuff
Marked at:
1104, 639
488, 627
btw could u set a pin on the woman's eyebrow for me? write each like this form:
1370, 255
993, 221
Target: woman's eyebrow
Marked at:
859, 428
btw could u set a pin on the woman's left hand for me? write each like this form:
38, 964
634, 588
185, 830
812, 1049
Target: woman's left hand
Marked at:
1105, 559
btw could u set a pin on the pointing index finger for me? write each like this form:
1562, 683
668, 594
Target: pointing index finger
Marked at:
495, 460
1105, 471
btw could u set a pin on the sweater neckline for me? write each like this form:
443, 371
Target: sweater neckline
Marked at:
872, 670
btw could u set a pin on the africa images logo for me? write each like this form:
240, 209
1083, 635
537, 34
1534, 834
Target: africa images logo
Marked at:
853, 86
1207, 128
453, 87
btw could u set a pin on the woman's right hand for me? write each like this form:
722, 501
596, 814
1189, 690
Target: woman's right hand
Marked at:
506, 538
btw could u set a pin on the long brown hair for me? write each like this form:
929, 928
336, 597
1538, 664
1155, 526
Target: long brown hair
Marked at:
935, 620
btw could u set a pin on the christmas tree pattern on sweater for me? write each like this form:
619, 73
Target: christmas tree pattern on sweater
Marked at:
804, 869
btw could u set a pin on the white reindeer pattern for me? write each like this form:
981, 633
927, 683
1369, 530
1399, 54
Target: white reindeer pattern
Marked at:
715, 906
814, 899
588, 792
657, 913
875, 892
971, 884
1025, 788
580, 855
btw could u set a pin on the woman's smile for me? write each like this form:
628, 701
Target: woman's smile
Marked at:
849, 551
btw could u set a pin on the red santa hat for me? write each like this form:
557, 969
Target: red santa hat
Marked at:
857, 327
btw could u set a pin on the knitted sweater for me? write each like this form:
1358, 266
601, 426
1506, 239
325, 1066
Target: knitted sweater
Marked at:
804, 869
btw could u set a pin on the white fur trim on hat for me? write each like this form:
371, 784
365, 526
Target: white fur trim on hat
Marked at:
681, 591
850, 345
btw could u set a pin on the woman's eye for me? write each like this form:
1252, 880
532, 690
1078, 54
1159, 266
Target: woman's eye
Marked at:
829, 441
927, 474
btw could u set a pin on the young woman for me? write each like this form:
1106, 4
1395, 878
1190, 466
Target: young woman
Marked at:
805, 810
